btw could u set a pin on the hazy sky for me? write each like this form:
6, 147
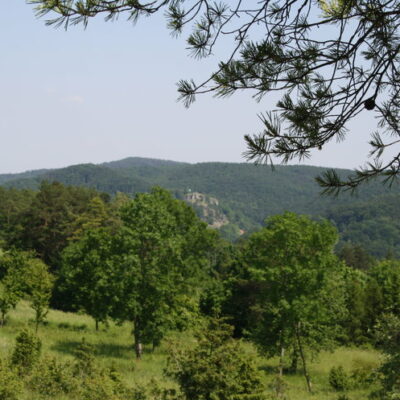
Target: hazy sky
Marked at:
109, 92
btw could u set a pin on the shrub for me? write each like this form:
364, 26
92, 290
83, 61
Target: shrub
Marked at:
26, 352
339, 379
363, 373
51, 378
155, 391
217, 368
84, 356
10, 384
102, 384
93, 382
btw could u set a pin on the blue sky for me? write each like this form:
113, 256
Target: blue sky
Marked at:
109, 92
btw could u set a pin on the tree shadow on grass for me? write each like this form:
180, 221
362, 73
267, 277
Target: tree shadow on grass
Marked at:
106, 350
269, 369
273, 370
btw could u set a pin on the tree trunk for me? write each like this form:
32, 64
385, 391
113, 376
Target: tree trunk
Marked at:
138, 347
303, 359
281, 358
97, 325
295, 358
3, 318
138, 343
279, 386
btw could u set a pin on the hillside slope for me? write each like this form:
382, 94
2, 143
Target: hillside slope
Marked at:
246, 194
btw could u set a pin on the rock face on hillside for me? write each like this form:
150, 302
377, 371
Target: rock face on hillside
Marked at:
207, 208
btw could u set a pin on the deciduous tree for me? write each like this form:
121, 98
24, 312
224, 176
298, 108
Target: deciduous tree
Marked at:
86, 277
300, 296
167, 250
13, 265
39, 282
146, 271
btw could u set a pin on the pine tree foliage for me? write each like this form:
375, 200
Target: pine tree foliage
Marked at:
331, 60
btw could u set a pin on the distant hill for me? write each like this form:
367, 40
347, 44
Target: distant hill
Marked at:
21, 176
132, 162
246, 194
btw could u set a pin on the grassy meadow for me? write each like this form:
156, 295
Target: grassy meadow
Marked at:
63, 332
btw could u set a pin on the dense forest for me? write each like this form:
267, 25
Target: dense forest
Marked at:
246, 194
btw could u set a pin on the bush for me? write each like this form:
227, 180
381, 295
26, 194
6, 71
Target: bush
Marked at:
26, 352
102, 384
10, 385
51, 378
84, 356
217, 368
363, 373
93, 382
155, 391
338, 379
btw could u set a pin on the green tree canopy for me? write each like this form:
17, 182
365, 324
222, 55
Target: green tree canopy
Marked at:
299, 284
147, 271
13, 266
39, 282
387, 277
54, 215
86, 277
168, 251
330, 59
388, 336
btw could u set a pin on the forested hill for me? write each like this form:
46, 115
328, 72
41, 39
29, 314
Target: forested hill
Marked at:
244, 194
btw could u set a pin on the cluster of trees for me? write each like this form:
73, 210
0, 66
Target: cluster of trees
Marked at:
151, 261
286, 290
45, 221
146, 271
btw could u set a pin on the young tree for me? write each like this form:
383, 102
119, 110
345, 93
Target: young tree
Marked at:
10, 294
355, 323
12, 268
301, 289
87, 271
26, 352
39, 287
330, 59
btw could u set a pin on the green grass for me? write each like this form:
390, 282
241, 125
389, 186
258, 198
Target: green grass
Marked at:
63, 332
